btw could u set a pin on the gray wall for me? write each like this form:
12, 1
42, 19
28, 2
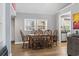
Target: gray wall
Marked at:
13, 28
19, 22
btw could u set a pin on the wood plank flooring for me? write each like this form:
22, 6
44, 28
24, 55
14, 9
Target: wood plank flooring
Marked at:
60, 50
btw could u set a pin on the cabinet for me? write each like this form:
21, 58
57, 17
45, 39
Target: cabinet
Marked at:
63, 36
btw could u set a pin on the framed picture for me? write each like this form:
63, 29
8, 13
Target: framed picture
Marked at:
76, 20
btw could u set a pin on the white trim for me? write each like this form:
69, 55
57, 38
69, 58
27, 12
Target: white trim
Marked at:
66, 13
18, 42
59, 30
69, 12
66, 7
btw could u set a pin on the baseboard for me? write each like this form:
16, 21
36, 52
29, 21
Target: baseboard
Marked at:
18, 42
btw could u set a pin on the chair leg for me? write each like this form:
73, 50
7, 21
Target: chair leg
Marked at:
33, 46
26, 45
51, 45
23, 45
56, 43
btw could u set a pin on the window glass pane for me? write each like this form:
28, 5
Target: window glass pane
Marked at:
33, 24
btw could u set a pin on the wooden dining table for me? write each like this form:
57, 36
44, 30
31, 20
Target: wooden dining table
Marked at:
41, 38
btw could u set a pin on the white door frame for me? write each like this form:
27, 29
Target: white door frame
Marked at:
59, 27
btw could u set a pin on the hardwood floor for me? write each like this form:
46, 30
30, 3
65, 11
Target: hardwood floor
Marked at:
60, 50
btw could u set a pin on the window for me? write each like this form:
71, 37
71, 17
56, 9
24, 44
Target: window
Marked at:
42, 24
29, 24
33, 24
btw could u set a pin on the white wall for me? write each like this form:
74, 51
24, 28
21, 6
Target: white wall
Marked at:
5, 19
2, 26
19, 22
8, 27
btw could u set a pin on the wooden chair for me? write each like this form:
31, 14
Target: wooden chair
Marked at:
42, 40
48, 41
36, 42
55, 37
38, 32
24, 40
48, 32
35, 32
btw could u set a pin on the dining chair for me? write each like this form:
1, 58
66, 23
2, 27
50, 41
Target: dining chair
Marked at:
48, 41
41, 40
24, 40
35, 32
36, 42
48, 32
55, 37
38, 32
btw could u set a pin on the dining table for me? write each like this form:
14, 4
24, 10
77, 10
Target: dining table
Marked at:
41, 38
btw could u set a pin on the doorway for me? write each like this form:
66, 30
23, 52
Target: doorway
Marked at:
65, 25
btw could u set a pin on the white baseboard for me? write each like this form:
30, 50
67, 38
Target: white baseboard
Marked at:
18, 42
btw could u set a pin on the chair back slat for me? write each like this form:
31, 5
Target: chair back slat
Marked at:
38, 32
48, 32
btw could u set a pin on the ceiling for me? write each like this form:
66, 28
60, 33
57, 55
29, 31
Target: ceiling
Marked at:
40, 8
